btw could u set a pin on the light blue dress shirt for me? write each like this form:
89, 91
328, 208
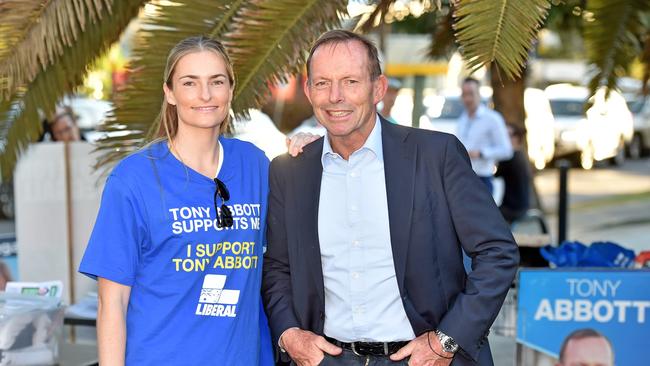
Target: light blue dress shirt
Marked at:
362, 300
485, 132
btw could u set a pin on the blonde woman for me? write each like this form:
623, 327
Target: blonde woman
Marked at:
178, 242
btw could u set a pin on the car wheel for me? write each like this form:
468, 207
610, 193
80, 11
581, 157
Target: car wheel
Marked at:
635, 150
619, 158
587, 157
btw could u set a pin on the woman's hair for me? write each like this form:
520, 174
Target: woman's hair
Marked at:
168, 114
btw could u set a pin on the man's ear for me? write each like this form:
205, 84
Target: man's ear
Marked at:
305, 89
169, 95
379, 88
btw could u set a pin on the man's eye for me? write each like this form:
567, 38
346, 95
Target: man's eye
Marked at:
188, 83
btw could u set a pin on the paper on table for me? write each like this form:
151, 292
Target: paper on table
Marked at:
46, 289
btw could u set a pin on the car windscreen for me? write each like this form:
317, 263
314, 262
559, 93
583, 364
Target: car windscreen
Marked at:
562, 107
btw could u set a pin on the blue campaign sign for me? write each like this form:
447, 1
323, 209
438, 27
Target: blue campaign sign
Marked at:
616, 303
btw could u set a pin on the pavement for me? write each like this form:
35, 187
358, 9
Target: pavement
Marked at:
604, 204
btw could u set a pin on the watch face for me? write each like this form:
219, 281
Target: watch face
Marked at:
449, 345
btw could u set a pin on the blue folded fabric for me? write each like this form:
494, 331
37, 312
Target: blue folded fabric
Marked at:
598, 254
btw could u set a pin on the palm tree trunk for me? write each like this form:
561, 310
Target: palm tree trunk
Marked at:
508, 95
508, 98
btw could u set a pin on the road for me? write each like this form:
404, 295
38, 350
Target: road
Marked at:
605, 203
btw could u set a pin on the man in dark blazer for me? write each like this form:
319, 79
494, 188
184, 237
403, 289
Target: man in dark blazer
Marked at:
366, 229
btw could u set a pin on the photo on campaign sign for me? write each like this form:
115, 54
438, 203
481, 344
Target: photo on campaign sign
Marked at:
585, 316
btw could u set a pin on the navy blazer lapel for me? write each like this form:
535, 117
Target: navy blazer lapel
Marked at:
399, 170
307, 175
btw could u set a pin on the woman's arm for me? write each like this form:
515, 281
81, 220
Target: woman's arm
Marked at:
111, 322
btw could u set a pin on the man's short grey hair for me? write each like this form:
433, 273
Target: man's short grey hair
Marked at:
337, 36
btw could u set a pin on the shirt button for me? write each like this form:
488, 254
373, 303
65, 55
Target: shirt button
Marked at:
356, 243
354, 174
353, 207
355, 275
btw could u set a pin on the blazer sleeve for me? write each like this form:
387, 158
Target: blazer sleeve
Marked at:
276, 280
487, 240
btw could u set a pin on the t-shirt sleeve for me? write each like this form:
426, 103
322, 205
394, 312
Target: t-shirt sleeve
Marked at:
113, 251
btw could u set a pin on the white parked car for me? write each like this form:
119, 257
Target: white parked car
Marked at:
539, 122
540, 130
600, 133
640, 144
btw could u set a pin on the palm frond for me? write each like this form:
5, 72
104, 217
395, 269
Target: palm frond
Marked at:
21, 118
269, 40
266, 39
442, 40
612, 34
366, 23
500, 31
382, 8
645, 60
35, 34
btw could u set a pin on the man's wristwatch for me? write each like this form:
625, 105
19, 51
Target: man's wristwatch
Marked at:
448, 343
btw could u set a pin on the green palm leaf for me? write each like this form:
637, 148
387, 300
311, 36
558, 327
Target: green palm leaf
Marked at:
500, 31
20, 122
35, 34
612, 36
270, 40
645, 59
266, 39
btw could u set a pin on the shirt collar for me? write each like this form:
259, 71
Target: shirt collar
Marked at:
480, 110
373, 143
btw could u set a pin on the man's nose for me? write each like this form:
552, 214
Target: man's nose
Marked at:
336, 94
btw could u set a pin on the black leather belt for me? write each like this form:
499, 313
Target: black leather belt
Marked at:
369, 348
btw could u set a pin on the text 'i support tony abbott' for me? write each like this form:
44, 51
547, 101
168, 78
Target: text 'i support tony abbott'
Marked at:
226, 255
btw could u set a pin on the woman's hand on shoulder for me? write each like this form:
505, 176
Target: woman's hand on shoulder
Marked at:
298, 141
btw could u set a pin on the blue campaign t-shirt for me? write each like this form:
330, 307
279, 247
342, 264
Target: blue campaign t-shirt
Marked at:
195, 288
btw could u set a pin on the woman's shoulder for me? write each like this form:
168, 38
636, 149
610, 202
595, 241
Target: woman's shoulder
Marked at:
139, 162
245, 148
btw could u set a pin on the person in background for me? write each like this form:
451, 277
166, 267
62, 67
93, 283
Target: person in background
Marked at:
483, 132
586, 347
394, 85
516, 176
63, 126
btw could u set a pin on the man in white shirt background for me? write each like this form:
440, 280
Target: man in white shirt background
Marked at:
483, 132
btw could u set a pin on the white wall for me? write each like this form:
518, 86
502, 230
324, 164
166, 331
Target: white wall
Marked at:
41, 214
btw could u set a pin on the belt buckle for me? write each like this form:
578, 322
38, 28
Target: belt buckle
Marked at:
354, 349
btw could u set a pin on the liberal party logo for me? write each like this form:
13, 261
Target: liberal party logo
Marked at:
215, 300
